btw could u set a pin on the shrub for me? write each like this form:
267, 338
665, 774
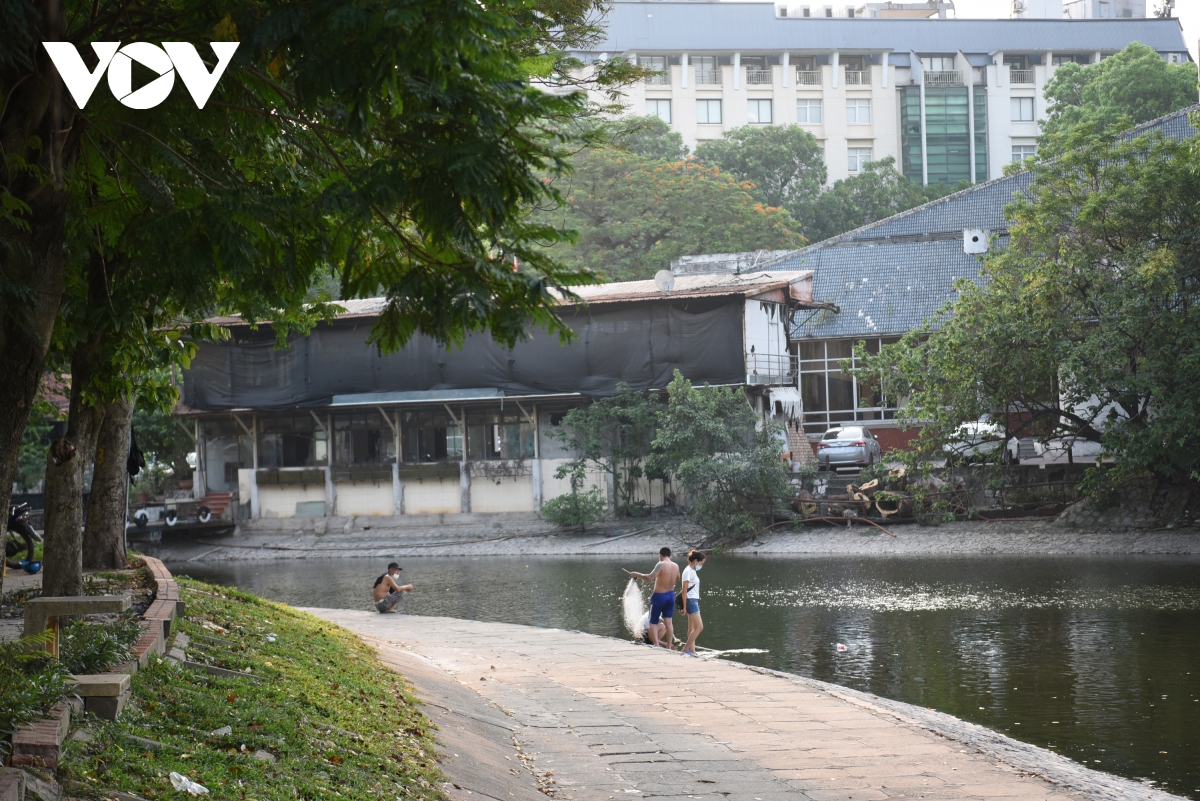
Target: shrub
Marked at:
95, 647
575, 508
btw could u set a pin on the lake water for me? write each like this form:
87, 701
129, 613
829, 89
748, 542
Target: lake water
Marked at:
1097, 658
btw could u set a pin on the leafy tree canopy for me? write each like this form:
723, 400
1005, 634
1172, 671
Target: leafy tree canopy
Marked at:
1089, 102
879, 191
785, 163
1087, 325
634, 214
647, 136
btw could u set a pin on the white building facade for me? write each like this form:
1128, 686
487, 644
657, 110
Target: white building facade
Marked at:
950, 100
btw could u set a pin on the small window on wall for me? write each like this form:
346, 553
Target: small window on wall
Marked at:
1022, 152
808, 112
858, 111
660, 109
498, 435
858, 157
1022, 109
430, 436
758, 112
708, 112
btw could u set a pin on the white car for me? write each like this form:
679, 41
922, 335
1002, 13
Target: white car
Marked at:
980, 440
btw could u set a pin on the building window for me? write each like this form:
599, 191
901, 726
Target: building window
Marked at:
430, 436
708, 71
859, 156
937, 63
808, 112
362, 438
1058, 59
498, 435
660, 109
1022, 152
708, 112
832, 397
858, 111
292, 441
758, 112
1022, 109
659, 65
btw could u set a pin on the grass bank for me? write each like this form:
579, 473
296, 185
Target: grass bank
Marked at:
314, 714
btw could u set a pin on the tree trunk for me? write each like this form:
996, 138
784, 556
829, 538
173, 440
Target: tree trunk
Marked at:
38, 126
104, 533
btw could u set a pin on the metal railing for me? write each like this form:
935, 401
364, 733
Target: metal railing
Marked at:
771, 368
1020, 76
658, 79
808, 77
708, 77
943, 78
858, 77
758, 77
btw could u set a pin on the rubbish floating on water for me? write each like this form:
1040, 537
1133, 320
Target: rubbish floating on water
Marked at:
633, 606
713, 652
184, 784
841, 648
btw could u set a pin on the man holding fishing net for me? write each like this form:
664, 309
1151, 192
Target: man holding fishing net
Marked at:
665, 576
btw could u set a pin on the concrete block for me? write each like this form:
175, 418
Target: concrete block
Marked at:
177, 655
42, 614
106, 707
12, 784
182, 641
107, 685
164, 613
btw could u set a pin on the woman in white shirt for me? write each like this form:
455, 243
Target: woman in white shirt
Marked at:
691, 592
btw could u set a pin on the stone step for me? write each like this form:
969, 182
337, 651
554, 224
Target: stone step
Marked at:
100, 684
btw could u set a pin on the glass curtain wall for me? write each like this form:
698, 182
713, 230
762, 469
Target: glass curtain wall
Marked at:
832, 397
947, 133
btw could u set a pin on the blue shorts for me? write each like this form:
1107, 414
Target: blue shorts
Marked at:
662, 604
693, 606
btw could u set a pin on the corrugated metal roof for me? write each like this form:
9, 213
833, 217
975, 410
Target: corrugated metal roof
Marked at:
753, 27
686, 286
891, 275
695, 286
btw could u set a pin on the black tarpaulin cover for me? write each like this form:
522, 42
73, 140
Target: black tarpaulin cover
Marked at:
641, 344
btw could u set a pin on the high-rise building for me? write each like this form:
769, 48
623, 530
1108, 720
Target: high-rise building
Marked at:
949, 99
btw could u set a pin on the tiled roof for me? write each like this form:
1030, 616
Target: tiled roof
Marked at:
891, 275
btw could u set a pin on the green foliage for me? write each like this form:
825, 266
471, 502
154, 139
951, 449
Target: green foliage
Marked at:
614, 435
162, 440
785, 163
96, 647
31, 459
576, 508
1086, 326
1087, 103
726, 460
32, 683
879, 191
152, 480
649, 137
633, 215
336, 720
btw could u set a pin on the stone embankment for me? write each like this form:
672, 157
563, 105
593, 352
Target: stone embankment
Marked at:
526, 536
526, 713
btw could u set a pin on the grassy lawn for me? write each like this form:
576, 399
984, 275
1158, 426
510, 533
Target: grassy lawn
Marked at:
317, 716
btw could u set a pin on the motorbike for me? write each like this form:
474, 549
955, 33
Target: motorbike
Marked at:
21, 536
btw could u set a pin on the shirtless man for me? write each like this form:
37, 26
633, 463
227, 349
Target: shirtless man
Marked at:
665, 576
388, 591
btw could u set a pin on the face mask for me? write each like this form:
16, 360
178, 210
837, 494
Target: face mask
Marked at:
699, 568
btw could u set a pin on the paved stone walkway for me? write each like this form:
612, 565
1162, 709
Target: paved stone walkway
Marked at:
525, 711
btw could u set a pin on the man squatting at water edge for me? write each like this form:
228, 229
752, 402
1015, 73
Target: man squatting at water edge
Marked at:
665, 576
388, 591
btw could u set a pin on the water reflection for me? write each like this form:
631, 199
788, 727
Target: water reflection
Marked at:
1092, 657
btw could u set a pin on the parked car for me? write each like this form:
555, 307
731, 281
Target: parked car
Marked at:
981, 440
851, 446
